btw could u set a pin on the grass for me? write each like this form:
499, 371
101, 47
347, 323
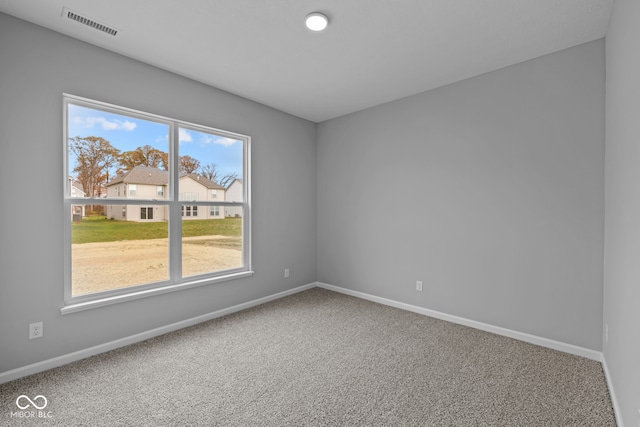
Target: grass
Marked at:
100, 229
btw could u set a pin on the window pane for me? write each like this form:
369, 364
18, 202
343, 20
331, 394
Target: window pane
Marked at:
210, 245
109, 254
115, 155
209, 164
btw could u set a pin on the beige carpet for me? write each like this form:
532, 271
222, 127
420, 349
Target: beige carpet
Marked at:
321, 358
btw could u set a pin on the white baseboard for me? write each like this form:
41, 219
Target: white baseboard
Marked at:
612, 393
112, 345
543, 342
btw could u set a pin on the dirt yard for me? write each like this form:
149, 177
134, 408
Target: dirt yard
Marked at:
110, 265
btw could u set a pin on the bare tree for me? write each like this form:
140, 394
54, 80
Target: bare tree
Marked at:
212, 172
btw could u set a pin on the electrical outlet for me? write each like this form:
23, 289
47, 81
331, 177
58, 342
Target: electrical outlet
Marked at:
419, 285
286, 273
35, 330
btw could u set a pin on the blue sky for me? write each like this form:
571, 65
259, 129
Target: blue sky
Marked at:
128, 133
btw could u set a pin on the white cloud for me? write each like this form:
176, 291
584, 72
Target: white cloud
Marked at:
184, 135
221, 140
89, 122
206, 139
127, 125
225, 141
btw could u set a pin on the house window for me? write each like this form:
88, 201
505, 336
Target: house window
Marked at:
189, 210
108, 147
146, 213
189, 196
214, 194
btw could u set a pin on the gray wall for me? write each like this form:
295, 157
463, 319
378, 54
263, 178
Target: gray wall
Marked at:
489, 190
622, 204
36, 67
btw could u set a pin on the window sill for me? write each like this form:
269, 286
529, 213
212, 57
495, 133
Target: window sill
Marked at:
102, 302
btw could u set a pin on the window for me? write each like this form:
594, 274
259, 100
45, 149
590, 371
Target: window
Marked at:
189, 210
189, 196
163, 240
146, 213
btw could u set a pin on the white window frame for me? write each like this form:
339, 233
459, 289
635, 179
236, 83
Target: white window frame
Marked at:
176, 282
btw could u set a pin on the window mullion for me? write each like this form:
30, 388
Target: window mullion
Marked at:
175, 218
67, 249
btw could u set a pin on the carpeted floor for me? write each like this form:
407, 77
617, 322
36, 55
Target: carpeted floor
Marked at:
321, 358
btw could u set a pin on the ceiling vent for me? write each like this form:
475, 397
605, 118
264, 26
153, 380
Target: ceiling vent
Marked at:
87, 21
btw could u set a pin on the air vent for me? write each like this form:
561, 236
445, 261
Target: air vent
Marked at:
87, 21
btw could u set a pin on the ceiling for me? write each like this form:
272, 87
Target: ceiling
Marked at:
373, 51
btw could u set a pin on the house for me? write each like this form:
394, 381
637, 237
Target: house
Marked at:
518, 201
141, 182
77, 211
233, 193
145, 182
194, 187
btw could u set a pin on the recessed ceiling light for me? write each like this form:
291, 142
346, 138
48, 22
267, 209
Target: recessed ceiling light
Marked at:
316, 21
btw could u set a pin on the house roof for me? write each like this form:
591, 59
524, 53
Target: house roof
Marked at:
76, 184
232, 182
142, 175
154, 176
204, 181
76, 188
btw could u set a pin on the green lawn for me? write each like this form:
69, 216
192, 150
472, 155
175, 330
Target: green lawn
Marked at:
100, 229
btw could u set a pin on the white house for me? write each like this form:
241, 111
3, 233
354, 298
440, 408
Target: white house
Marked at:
76, 190
234, 194
148, 183
195, 188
